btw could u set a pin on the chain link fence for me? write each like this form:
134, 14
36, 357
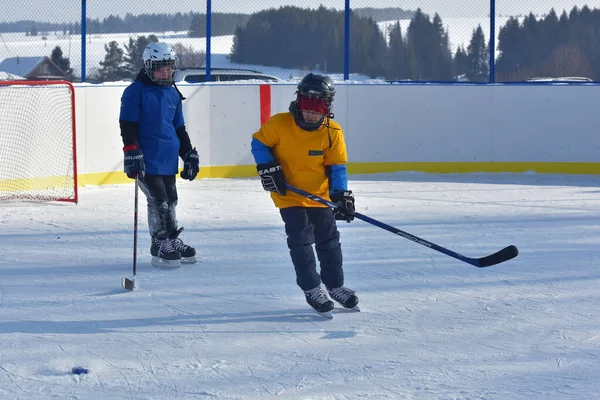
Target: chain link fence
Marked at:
359, 40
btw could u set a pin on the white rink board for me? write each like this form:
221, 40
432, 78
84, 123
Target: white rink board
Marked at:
382, 123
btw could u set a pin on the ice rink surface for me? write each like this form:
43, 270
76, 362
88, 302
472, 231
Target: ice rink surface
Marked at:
236, 326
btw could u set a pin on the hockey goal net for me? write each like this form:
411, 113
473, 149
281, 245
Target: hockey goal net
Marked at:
38, 159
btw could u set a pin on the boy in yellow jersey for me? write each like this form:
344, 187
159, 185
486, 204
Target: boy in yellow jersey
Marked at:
306, 148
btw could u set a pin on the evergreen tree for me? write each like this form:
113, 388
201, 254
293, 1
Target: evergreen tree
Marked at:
62, 62
134, 50
198, 26
461, 62
418, 44
222, 24
399, 57
111, 68
478, 57
429, 44
292, 37
509, 61
529, 42
551, 29
443, 65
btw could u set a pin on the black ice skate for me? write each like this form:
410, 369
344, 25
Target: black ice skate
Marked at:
319, 301
163, 252
188, 253
344, 296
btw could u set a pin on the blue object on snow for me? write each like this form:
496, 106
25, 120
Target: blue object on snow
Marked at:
80, 370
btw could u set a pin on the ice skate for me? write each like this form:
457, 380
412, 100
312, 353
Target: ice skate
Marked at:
319, 301
163, 252
346, 297
188, 253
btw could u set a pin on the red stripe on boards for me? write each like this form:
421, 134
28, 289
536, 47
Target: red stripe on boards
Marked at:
265, 103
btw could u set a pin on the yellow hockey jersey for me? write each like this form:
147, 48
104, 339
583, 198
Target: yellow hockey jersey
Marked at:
303, 155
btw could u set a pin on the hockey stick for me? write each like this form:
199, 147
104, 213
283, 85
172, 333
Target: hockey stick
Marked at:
505, 254
127, 283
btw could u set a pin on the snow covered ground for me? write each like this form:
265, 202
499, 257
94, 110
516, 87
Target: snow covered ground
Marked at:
235, 326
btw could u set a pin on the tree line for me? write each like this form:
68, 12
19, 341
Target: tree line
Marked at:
192, 22
292, 37
552, 46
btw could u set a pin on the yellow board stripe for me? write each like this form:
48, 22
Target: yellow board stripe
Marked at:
36, 183
470, 167
249, 171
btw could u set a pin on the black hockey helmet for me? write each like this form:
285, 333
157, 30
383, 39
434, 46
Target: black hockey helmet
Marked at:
315, 93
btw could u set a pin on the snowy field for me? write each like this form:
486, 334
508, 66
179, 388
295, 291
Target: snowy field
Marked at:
235, 326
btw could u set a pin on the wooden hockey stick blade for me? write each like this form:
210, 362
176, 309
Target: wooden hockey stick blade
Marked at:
507, 253
128, 284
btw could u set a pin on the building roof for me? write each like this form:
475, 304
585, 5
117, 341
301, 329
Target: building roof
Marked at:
32, 68
21, 66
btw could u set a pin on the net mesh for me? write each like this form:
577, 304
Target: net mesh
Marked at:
37, 142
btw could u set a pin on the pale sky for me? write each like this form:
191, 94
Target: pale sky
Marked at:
70, 10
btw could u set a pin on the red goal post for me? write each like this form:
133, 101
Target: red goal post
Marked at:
38, 151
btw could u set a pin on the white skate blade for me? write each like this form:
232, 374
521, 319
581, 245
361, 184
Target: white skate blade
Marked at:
168, 264
188, 260
353, 309
326, 314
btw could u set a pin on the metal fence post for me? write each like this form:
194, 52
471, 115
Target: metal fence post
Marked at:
208, 37
83, 45
347, 40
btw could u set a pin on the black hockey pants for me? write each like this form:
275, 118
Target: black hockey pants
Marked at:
161, 193
304, 227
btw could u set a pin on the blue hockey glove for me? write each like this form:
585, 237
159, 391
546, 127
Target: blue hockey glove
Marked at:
345, 201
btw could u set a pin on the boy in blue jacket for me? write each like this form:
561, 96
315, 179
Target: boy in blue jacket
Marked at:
154, 135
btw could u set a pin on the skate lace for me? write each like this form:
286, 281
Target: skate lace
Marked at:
317, 294
180, 246
166, 246
342, 293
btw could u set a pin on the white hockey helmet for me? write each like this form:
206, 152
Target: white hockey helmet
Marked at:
158, 55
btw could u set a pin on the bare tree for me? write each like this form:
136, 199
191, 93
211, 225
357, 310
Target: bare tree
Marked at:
188, 58
567, 60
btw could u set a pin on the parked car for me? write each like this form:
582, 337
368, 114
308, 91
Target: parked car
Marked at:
561, 79
197, 75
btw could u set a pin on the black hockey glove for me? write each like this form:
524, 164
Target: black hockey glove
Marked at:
271, 177
345, 201
191, 165
133, 162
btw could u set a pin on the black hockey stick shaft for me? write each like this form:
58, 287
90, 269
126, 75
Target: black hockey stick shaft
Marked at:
126, 283
135, 226
505, 254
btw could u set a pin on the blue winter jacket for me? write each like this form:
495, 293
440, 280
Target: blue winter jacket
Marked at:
158, 112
